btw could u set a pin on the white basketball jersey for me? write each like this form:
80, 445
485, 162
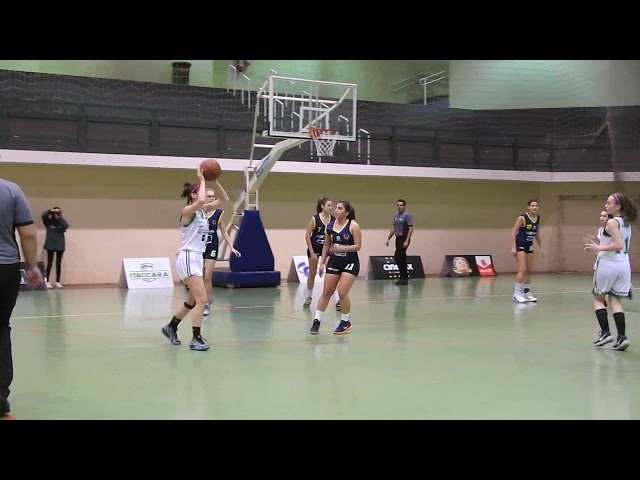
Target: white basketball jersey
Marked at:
194, 235
599, 236
622, 254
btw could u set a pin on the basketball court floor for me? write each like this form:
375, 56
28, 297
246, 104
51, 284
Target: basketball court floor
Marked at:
439, 348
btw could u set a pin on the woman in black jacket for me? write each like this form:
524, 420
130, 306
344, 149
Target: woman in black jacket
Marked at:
54, 243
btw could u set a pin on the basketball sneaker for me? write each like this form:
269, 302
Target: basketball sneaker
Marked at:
315, 328
622, 343
172, 335
338, 307
519, 297
307, 303
342, 328
207, 310
529, 297
198, 343
604, 338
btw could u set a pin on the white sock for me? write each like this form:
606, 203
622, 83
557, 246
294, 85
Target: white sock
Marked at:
309, 292
318, 315
336, 297
518, 288
345, 317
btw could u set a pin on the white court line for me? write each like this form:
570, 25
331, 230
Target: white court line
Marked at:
228, 308
69, 315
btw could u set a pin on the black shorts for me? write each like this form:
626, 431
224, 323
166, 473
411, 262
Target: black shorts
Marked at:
526, 247
339, 265
211, 251
317, 249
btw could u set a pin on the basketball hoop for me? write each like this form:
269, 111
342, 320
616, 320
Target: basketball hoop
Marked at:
324, 139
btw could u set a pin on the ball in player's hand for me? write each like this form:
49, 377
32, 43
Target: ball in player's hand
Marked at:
210, 169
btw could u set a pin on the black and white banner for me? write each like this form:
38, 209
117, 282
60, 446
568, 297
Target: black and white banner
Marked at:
385, 268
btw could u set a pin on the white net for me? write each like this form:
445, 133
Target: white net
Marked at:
324, 140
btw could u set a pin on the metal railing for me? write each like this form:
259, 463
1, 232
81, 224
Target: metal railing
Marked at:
58, 126
423, 80
237, 82
407, 82
364, 134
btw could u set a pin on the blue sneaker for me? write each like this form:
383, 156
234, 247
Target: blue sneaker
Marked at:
315, 328
198, 343
343, 328
172, 335
603, 339
621, 344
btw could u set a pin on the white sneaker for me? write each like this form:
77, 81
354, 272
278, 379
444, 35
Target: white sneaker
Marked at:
207, 310
519, 297
49, 285
529, 297
57, 285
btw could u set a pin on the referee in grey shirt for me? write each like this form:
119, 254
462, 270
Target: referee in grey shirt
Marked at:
402, 228
14, 215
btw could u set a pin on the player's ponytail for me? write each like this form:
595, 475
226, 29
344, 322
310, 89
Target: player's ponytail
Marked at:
629, 209
321, 203
187, 190
351, 212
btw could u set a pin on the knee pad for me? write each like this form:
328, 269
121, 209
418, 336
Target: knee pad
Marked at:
188, 306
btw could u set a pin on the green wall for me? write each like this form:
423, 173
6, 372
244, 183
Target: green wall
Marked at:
373, 77
157, 71
512, 84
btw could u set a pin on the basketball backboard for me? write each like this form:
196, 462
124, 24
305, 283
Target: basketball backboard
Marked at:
288, 106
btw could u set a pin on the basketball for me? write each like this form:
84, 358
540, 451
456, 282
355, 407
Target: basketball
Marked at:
210, 169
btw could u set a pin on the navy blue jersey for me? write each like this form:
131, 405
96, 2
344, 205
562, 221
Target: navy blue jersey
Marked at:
528, 231
342, 237
214, 218
319, 230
